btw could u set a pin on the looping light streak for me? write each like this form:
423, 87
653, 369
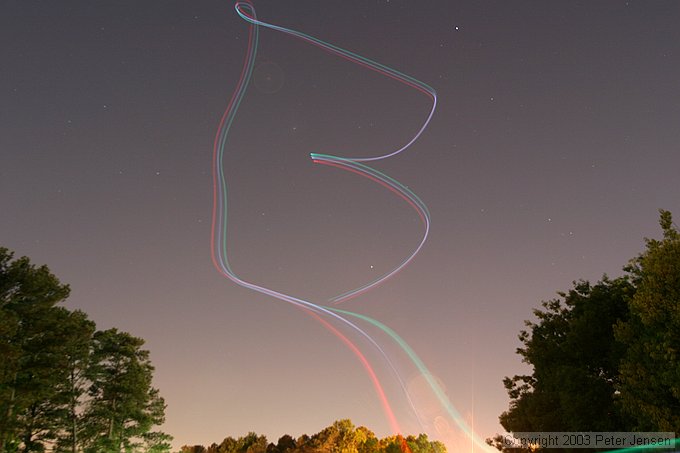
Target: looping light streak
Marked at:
219, 224
321, 313
398, 189
360, 60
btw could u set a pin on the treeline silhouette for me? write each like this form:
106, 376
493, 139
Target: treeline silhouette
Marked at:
64, 385
606, 356
340, 437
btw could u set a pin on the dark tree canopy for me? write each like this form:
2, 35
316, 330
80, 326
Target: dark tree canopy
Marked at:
575, 360
605, 357
28, 317
650, 369
64, 385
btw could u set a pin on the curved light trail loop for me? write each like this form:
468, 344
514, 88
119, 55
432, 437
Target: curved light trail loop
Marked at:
326, 315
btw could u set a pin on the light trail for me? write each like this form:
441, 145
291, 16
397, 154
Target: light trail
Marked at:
321, 313
219, 225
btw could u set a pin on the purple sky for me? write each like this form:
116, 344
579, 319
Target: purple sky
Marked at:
554, 144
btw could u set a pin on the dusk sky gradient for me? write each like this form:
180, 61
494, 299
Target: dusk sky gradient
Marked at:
555, 142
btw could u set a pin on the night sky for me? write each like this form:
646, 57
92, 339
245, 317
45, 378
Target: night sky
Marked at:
554, 144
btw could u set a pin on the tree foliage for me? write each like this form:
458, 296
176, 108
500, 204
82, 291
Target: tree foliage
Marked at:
605, 357
650, 369
340, 437
28, 315
59, 377
124, 406
575, 360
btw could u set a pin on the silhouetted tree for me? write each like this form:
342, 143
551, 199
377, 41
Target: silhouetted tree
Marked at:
606, 357
285, 443
28, 296
73, 387
193, 449
575, 360
123, 406
650, 370
55, 371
